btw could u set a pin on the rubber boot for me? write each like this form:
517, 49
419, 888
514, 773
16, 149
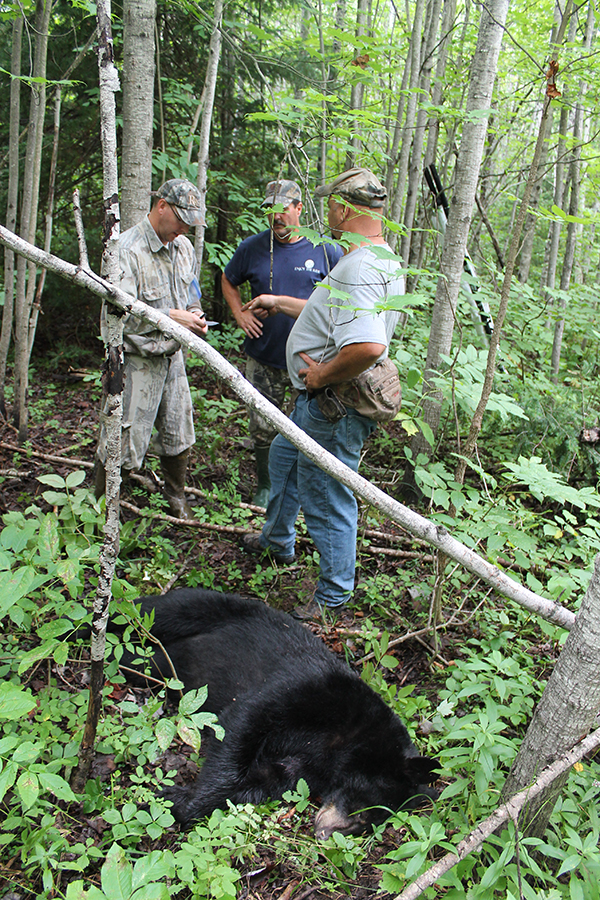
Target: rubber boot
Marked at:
263, 485
174, 469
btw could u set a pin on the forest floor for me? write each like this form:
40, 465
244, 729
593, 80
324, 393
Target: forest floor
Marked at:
63, 426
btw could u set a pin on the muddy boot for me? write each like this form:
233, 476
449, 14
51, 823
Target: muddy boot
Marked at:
174, 469
263, 486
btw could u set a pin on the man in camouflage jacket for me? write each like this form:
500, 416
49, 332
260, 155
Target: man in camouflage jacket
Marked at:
159, 267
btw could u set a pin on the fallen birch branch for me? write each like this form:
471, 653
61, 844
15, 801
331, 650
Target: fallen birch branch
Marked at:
434, 534
509, 810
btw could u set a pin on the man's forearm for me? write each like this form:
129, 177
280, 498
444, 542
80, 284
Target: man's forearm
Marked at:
349, 362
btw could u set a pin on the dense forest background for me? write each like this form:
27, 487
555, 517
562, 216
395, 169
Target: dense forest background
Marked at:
496, 442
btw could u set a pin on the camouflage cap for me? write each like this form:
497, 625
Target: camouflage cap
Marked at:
185, 196
283, 192
358, 186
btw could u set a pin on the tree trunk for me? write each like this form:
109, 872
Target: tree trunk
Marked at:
531, 221
25, 284
113, 388
138, 109
440, 72
431, 532
572, 227
358, 88
11, 203
409, 121
548, 278
415, 170
37, 303
210, 84
510, 265
565, 713
483, 73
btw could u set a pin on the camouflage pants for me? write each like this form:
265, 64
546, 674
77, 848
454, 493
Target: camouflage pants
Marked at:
156, 394
272, 383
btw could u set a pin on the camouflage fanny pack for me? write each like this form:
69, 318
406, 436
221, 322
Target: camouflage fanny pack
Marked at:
375, 394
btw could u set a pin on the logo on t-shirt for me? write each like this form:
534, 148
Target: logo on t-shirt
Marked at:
310, 263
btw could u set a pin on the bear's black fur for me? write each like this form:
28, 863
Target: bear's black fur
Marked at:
290, 709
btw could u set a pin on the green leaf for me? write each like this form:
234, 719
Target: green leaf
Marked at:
7, 778
42, 652
53, 480
193, 700
14, 701
28, 788
48, 545
116, 875
26, 753
188, 733
75, 478
165, 732
56, 785
18, 584
389, 662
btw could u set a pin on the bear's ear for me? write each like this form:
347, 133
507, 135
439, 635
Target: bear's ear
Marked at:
422, 769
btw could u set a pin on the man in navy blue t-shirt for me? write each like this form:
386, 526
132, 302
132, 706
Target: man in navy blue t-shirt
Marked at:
278, 262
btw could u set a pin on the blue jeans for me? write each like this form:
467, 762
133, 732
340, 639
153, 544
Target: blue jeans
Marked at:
330, 508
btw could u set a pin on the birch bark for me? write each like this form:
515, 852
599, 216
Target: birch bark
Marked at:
11, 203
483, 73
138, 109
113, 387
25, 283
210, 85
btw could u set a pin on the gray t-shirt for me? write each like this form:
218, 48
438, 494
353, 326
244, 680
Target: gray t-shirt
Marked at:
323, 328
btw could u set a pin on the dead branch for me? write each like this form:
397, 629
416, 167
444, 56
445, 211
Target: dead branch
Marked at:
474, 841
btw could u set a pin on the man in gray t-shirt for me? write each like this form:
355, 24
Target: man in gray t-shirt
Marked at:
338, 334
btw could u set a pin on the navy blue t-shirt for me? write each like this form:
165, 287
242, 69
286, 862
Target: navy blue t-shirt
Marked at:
297, 268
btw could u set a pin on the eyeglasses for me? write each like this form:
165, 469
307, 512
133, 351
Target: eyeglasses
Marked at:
177, 215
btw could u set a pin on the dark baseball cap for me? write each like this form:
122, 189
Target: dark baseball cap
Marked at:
358, 186
185, 196
283, 192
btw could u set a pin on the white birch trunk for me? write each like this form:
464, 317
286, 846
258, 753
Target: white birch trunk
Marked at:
415, 169
417, 525
357, 92
113, 389
572, 227
483, 73
409, 121
25, 283
138, 109
210, 85
11, 204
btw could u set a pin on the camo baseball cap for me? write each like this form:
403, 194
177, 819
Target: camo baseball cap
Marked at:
185, 196
358, 186
283, 192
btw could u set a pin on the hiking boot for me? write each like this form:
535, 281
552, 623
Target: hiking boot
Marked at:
251, 543
314, 612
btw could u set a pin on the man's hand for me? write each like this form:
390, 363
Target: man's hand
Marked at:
263, 305
349, 362
192, 319
248, 322
269, 304
313, 374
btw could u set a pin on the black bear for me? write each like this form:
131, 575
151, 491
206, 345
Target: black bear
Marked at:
290, 709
